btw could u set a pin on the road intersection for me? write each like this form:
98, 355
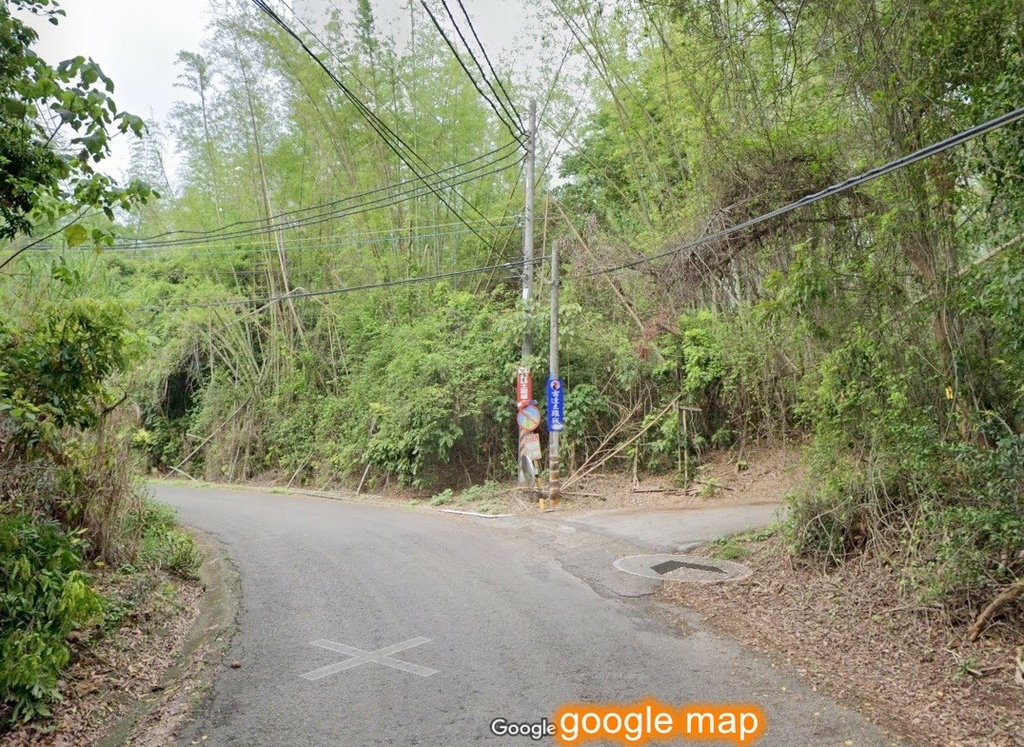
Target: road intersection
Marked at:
494, 619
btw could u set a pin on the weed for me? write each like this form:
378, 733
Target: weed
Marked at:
968, 666
731, 549
164, 545
443, 498
476, 493
709, 488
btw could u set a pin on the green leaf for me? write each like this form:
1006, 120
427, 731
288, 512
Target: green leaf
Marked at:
75, 235
16, 109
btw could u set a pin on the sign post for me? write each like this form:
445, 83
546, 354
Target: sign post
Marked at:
524, 393
556, 389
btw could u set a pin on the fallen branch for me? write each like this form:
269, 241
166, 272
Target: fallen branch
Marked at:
213, 433
362, 480
296, 474
182, 472
1007, 595
994, 253
713, 484
587, 469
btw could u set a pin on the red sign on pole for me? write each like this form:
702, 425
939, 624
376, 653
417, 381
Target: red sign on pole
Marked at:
524, 386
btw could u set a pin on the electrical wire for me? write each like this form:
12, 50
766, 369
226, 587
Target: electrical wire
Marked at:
511, 127
332, 203
303, 244
299, 295
856, 181
410, 193
390, 138
26, 247
497, 78
518, 136
517, 131
374, 121
337, 59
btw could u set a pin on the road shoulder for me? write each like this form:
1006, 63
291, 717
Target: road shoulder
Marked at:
153, 722
848, 633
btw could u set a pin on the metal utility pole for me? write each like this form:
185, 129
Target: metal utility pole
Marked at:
524, 373
554, 481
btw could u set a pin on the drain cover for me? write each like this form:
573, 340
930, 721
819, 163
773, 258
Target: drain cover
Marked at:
683, 568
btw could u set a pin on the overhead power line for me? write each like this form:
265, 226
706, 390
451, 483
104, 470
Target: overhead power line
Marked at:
301, 294
508, 119
918, 155
342, 201
311, 243
412, 191
856, 181
497, 78
20, 250
395, 143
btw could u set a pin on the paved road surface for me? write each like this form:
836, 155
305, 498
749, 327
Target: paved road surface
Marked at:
515, 617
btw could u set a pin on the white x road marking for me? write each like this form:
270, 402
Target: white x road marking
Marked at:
380, 656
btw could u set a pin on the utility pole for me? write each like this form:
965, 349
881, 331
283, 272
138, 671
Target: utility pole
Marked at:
531, 158
554, 480
524, 372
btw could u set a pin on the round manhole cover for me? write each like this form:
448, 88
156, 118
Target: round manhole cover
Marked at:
683, 568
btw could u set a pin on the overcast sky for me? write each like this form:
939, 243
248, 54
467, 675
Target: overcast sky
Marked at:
136, 43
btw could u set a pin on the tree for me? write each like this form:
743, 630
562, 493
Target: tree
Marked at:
56, 123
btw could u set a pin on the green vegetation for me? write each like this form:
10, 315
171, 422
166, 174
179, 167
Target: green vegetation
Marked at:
44, 597
732, 550
305, 304
882, 324
43, 106
480, 498
163, 545
66, 494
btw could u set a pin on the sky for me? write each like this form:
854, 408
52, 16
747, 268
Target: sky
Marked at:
136, 43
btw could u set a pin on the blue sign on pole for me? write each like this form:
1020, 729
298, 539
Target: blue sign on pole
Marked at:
556, 405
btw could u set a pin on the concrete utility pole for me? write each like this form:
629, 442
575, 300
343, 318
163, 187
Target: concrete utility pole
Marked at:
531, 157
554, 480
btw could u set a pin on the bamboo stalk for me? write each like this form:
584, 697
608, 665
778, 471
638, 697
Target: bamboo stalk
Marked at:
583, 472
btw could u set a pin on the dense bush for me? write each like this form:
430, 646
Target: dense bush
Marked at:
402, 391
66, 489
44, 595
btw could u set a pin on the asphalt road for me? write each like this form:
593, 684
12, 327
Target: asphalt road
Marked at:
440, 624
